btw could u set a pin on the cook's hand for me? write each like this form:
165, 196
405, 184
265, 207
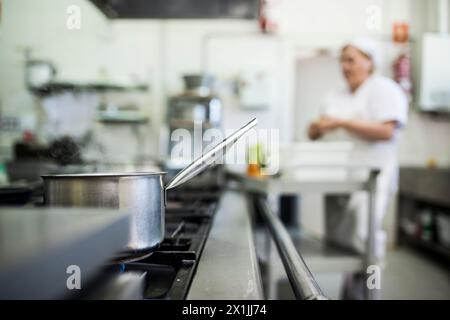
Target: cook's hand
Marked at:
324, 125
314, 130
327, 124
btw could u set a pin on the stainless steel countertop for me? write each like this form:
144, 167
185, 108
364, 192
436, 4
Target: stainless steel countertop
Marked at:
228, 268
37, 246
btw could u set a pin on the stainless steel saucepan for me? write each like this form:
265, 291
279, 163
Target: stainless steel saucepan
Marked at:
141, 194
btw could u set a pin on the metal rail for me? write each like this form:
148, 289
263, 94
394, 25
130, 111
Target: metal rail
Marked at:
370, 258
301, 279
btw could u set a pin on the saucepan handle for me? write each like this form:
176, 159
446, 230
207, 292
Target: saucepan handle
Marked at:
203, 162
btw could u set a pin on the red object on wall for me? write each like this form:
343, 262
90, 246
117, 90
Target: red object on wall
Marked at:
268, 11
400, 32
262, 19
28, 136
402, 73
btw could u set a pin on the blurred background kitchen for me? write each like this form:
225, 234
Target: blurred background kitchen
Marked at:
99, 86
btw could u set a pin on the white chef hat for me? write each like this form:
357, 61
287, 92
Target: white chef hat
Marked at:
368, 46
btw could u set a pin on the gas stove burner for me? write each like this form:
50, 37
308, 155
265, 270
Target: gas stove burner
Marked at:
166, 271
170, 268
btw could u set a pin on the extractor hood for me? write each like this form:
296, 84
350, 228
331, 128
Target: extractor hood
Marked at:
178, 9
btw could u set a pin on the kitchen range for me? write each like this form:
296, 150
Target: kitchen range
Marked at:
167, 272
208, 252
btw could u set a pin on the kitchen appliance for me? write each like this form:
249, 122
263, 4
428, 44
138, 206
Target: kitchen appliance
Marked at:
197, 107
141, 194
197, 102
435, 73
39, 73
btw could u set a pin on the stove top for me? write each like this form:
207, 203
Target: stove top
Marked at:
167, 272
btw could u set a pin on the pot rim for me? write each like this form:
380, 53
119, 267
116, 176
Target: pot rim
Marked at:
103, 175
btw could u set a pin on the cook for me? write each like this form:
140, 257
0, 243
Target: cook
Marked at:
369, 112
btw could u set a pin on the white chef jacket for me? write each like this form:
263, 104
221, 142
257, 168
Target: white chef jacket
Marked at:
378, 99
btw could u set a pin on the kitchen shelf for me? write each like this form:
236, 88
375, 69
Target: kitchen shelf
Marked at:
188, 124
123, 120
428, 246
58, 87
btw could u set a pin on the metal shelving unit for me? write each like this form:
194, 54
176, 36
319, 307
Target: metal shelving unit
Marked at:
423, 192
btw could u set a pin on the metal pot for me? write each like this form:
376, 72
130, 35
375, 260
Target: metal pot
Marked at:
142, 194
196, 81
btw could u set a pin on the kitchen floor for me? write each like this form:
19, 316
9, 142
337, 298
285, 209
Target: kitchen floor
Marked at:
408, 275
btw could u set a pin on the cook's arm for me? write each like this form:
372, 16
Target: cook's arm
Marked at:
370, 130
